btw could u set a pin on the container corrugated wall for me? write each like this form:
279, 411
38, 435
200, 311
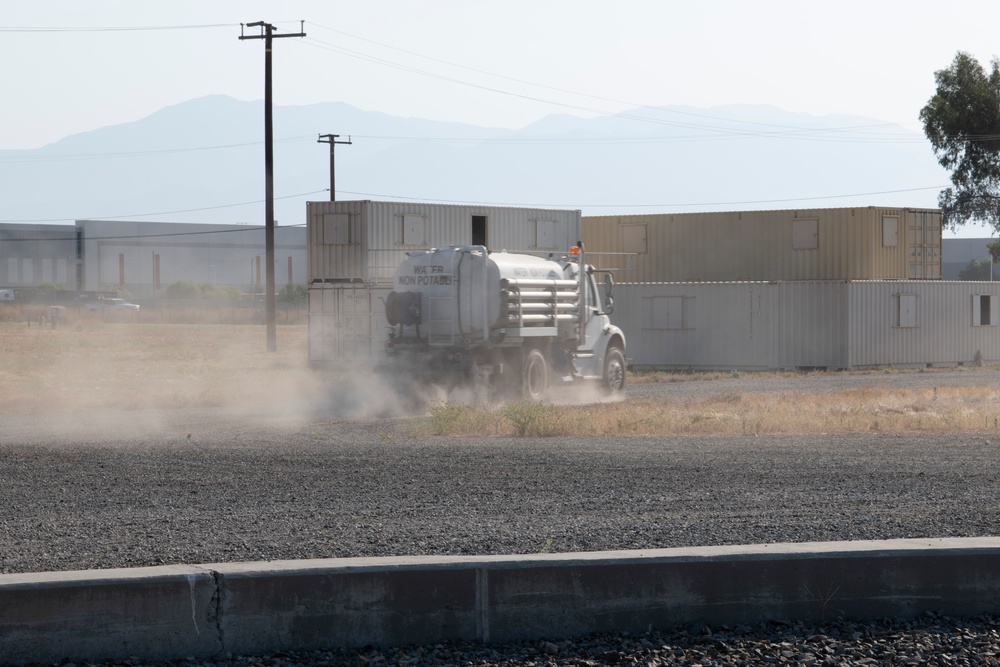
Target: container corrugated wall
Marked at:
696, 325
365, 240
748, 326
870, 243
915, 323
346, 324
809, 324
337, 241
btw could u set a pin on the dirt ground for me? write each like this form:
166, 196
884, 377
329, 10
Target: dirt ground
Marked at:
93, 365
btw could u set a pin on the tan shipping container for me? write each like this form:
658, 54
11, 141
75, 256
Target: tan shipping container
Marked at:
871, 243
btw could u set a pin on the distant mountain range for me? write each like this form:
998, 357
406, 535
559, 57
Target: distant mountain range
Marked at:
203, 161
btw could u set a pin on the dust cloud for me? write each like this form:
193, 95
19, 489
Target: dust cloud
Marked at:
104, 382
96, 381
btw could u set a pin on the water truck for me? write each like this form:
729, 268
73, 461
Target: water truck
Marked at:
514, 323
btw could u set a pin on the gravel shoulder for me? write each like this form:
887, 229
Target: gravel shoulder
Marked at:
194, 486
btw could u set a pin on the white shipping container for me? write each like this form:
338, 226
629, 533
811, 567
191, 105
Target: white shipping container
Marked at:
347, 324
914, 323
809, 324
364, 241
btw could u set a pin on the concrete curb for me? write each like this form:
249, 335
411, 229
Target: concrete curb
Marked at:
171, 612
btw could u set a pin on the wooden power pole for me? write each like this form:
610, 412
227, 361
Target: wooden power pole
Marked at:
332, 140
267, 34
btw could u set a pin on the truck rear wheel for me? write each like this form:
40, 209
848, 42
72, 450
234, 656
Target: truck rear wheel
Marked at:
534, 376
614, 371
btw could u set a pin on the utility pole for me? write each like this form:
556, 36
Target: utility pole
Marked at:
267, 34
332, 140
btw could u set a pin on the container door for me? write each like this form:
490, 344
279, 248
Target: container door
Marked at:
340, 325
324, 348
355, 325
923, 245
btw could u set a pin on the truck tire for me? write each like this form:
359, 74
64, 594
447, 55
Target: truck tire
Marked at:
534, 376
614, 372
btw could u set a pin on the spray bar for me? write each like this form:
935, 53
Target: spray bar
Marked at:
528, 282
547, 296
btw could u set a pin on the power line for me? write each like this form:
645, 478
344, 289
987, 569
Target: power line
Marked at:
146, 215
127, 237
244, 228
795, 131
630, 116
610, 141
69, 157
659, 205
141, 28
483, 203
31, 157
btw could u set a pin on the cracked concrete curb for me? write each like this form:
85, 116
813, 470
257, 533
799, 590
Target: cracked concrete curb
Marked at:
176, 611
166, 610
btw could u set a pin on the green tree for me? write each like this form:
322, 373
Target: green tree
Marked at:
293, 293
186, 289
219, 292
182, 289
994, 248
976, 270
962, 122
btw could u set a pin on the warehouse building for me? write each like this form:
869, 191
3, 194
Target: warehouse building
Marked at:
146, 257
958, 254
32, 255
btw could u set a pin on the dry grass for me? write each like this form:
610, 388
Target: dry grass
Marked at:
938, 410
646, 376
93, 365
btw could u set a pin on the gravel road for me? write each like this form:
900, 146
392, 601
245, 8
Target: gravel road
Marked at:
209, 486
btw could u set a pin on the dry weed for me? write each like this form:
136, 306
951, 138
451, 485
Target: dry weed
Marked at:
871, 409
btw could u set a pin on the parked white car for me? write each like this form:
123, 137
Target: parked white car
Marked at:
112, 304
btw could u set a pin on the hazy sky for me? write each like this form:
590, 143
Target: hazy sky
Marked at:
488, 62
71, 66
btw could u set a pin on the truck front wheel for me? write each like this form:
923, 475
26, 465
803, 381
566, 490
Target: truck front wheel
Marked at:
614, 371
534, 376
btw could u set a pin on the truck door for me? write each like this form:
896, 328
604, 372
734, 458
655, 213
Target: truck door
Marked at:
595, 321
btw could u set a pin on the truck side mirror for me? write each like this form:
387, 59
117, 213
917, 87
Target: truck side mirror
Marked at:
609, 290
